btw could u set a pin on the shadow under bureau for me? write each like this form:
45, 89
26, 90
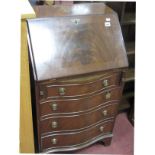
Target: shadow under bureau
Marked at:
77, 63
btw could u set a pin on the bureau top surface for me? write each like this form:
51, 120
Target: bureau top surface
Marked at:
71, 45
68, 10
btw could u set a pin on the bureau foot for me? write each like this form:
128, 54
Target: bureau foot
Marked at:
107, 141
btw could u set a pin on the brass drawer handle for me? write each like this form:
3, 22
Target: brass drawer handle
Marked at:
62, 91
54, 124
104, 112
54, 141
108, 95
53, 106
101, 128
105, 83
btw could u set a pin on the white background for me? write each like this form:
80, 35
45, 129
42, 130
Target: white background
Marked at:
10, 77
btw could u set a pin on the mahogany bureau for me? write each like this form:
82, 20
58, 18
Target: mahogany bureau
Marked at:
77, 58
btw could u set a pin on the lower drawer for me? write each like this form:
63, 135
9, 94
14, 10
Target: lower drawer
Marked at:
76, 122
74, 139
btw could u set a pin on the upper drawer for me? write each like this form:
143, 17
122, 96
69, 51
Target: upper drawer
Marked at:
79, 87
79, 105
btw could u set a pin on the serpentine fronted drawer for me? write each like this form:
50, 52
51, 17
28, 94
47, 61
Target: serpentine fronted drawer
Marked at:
78, 121
83, 87
74, 139
78, 105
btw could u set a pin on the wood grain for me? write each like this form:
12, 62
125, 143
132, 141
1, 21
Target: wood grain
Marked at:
78, 105
74, 50
80, 88
73, 122
76, 138
90, 46
71, 10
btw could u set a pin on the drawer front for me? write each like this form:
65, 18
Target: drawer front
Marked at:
76, 138
68, 106
78, 121
62, 89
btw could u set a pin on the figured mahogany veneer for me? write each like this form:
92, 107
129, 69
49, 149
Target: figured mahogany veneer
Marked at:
74, 106
70, 46
76, 138
80, 88
77, 57
73, 122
